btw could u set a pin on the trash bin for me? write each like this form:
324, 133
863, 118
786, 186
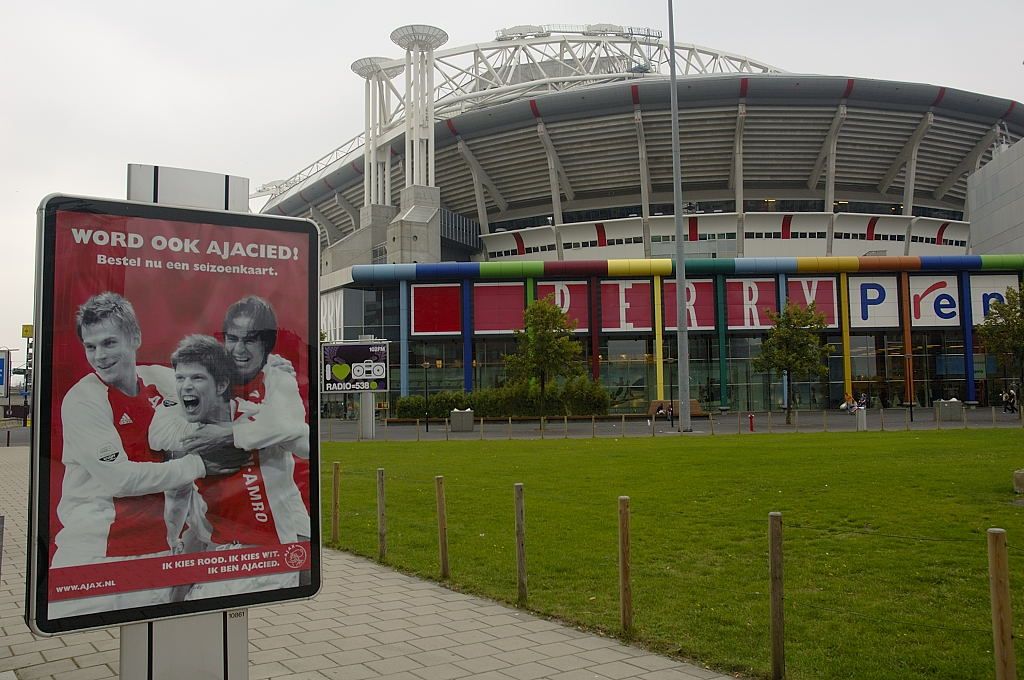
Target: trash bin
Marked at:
948, 411
462, 421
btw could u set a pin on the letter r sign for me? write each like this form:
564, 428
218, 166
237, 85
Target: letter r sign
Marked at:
934, 301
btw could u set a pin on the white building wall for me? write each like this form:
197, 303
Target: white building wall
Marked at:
995, 198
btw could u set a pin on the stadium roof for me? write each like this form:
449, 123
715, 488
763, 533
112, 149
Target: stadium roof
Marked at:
784, 121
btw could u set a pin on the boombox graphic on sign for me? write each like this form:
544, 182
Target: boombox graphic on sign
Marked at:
355, 366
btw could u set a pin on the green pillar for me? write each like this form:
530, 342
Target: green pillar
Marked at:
722, 324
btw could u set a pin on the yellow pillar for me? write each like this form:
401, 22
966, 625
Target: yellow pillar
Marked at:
658, 353
844, 310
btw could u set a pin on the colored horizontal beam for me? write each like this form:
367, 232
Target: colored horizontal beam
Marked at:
451, 271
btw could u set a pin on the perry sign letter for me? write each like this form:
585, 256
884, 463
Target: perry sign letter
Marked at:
989, 288
748, 300
934, 301
874, 302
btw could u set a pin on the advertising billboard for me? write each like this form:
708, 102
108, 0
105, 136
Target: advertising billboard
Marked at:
5, 373
175, 461
355, 366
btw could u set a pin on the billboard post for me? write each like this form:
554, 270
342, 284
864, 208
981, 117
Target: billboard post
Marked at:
173, 458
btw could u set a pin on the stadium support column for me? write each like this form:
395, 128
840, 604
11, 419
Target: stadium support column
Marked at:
966, 325
736, 179
645, 172
376, 212
403, 336
414, 235
659, 354
844, 312
467, 335
722, 324
531, 290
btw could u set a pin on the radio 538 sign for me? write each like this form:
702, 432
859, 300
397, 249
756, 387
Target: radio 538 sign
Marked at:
355, 366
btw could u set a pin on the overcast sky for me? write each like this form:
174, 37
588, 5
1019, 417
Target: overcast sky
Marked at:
262, 89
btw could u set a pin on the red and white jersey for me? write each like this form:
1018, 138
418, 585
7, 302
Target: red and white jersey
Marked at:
253, 506
281, 420
112, 499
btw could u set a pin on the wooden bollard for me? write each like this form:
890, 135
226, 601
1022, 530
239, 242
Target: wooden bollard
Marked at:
9, 434
520, 545
1002, 620
824, 419
963, 415
565, 427
625, 591
881, 418
446, 429
739, 423
776, 595
386, 427
481, 428
711, 422
542, 427
417, 429
906, 419
593, 427
442, 527
510, 427
769, 419
796, 420
623, 425
382, 523
335, 502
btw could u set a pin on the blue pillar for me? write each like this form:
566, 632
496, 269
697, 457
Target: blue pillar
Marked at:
403, 335
467, 335
967, 325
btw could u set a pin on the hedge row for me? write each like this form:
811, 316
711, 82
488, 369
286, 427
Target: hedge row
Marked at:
577, 397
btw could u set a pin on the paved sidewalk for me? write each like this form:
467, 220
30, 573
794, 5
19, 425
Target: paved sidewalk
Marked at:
367, 622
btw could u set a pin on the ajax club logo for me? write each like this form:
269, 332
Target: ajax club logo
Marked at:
295, 556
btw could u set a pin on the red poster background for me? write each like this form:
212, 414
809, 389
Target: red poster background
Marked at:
737, 304
170, 303
824, 296
498, 307
571, 297
436, 309
635, 315
702, 303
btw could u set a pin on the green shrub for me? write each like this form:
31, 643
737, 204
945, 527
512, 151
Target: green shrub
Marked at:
578, 396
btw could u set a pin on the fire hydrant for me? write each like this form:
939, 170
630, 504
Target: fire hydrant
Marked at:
750, 417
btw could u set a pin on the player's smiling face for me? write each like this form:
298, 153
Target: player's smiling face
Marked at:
111, 353
201, 398
245, 346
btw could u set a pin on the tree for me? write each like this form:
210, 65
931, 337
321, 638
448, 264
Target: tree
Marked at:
1003, 331
793, 345
545, 348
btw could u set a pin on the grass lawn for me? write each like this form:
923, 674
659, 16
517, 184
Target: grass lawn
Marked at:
885, 553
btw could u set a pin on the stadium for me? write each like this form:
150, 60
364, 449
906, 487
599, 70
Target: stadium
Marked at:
540, 162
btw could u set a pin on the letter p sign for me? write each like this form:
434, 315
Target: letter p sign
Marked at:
871, 295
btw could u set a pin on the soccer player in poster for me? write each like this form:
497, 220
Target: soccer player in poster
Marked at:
254, 506
268, 380
112, 503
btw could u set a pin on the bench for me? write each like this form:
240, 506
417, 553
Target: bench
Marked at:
696, 410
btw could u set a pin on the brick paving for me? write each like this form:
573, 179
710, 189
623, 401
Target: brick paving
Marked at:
367, 622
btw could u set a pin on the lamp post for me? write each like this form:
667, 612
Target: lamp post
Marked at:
682, 332
426, 395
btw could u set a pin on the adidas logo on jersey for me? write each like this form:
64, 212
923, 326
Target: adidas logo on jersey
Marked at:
125, 420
